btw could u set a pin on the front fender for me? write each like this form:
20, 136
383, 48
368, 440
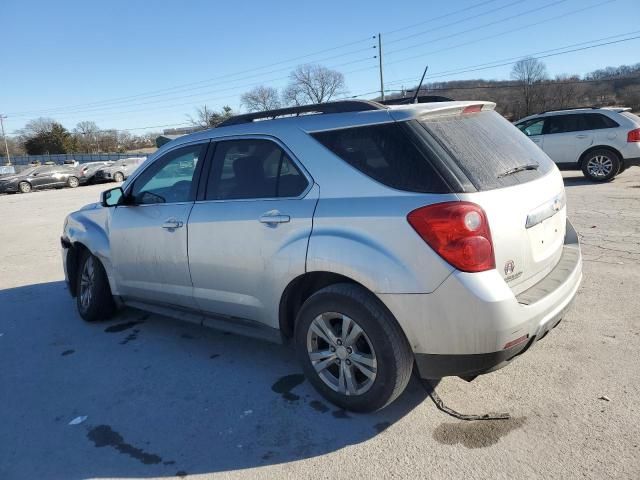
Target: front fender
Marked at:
90, 228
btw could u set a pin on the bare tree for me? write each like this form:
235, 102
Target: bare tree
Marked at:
261, 98
207, 118
529, 72
86, 135
313, 84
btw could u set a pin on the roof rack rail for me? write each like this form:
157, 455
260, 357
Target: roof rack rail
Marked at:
420, 99
342, 106
570, 108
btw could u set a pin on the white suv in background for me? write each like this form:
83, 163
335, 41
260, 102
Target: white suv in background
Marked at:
602, 142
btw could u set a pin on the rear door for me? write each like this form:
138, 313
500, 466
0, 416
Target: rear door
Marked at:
566, 137
526, 209
248, 235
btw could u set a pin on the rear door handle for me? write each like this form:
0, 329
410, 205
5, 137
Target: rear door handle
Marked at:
274, 216
172, 224
582, 136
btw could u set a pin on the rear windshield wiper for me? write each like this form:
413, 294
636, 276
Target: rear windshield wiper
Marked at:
519, 168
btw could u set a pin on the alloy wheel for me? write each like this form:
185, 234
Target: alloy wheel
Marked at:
87, 278
341, 354
599, 166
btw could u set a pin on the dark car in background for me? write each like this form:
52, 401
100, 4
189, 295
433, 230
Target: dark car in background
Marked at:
87, 171
118, 171
36, 178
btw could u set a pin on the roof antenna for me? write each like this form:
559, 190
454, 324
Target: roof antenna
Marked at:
415, 96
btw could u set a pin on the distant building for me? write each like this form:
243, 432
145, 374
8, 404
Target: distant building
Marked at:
180, 131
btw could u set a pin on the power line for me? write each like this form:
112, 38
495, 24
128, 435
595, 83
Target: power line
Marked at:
538, 55
462, 20
505, 32
481, 27
206, 83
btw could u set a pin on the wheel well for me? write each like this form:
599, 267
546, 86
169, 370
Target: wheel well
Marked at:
73, 257
599, 147
297, 292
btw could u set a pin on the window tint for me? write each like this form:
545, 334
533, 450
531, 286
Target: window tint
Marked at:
253, 168
597, 121
563, 124
485, 146
532, 127
386, 154
169, 179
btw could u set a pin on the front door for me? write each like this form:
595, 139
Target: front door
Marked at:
248, 238
565, 138
149, 233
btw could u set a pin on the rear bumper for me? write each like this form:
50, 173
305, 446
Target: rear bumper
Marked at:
474, 324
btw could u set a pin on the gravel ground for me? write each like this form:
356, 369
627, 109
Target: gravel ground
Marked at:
167, 399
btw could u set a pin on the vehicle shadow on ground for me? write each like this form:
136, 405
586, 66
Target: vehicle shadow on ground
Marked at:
577, 181
160, 397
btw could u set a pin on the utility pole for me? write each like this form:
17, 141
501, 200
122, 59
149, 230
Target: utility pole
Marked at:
380, 65
6, 146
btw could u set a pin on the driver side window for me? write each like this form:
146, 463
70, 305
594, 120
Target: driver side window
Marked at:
170, 179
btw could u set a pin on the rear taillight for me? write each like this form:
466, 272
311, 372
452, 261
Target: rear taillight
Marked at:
634, 135
458, 232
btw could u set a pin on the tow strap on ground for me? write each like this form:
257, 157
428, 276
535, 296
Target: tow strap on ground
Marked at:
431, 390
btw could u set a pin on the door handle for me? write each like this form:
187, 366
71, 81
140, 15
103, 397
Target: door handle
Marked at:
172, 224
582, 136
274, 216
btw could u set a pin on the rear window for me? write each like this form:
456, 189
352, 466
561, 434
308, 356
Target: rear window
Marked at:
386, 154
597, 121
485, 147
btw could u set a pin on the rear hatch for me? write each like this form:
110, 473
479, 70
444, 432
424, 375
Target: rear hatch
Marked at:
516, 184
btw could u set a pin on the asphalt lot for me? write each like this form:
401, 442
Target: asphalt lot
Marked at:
167, 399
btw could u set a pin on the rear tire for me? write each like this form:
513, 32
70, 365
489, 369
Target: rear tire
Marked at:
24, 187
601, 165
72, 182
363, 369
118, 177
94, 299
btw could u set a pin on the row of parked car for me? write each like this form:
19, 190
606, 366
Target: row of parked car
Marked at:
59, 176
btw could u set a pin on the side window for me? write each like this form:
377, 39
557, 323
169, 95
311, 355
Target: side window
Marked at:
562, 124
597, 121
253, 168
169, 179
532, 127
386, 154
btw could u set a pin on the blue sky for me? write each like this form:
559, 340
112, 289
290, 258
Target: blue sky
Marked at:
76, 60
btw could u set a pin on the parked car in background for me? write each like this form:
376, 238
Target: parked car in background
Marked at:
36, 178
602, 142
87, 171
117, 171
374, 237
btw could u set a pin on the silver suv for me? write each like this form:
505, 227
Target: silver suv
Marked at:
376, 238
602, 142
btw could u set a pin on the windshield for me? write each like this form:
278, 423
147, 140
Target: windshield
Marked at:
485, 146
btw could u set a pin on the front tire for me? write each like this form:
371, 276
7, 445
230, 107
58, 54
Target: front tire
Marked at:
73, 182
24, 187
118, 177
94, 299
351, 348
601, 165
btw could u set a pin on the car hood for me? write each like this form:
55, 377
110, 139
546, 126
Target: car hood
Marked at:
91, 206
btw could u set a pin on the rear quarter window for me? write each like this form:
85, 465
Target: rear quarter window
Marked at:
484, 146
386, 154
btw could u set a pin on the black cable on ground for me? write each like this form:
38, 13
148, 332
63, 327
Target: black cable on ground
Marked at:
431, 390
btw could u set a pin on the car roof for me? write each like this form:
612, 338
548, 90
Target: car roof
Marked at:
327, 121
571, 111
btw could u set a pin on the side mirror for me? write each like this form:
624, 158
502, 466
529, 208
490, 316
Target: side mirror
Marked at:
112, 197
